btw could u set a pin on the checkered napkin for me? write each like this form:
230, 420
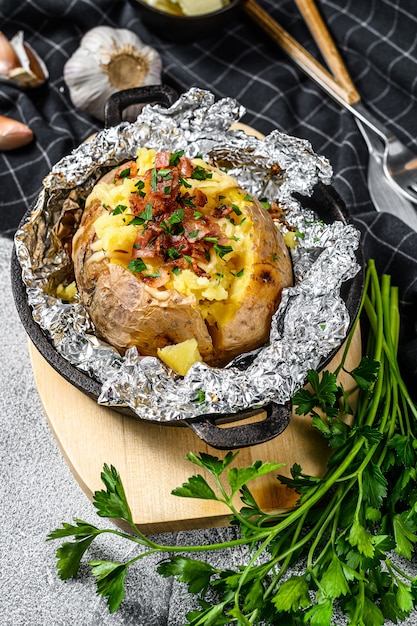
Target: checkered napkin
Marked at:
377, 39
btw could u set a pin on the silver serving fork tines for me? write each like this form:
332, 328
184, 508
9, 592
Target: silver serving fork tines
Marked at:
383, 195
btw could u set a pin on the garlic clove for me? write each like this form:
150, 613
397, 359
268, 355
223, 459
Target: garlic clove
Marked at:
13, 134
110, 60
8, 57
20, 64
32, 71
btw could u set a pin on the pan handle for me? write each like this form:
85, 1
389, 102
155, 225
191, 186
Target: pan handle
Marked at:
155, 94
273, 424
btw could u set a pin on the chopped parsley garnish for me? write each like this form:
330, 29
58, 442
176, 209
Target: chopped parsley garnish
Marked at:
176, 271
185, 183
222, 250
137, 221
154, 175
165, 173
188, 201
136, 265
194, 234
172, 253
140, 186
200, 173
120, 208
146, 215
175, 157
176, 217
197, 215
125, 173
248, 198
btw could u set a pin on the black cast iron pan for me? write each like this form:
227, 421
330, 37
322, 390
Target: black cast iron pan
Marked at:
219, 431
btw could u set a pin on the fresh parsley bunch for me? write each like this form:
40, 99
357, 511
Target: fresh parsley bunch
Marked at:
346, 528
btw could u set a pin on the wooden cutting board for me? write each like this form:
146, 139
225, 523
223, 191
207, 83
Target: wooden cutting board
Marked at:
151, 457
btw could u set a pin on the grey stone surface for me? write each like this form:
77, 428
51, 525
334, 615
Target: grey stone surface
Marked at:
38, 493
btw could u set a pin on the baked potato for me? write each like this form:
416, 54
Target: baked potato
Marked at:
171, 249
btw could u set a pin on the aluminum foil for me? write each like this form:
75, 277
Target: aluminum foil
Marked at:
312, 319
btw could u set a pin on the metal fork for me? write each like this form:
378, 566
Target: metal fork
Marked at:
384, 197
398, 163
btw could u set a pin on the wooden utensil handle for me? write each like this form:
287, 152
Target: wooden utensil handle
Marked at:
299, 54
327, 46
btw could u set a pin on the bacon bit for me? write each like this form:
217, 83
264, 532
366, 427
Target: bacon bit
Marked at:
162, 160
161, 235
222, 211
278, 215
200, 198
185, 167
137, 204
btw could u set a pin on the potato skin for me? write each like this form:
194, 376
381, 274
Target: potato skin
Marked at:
271, 273
126, 313
123, 311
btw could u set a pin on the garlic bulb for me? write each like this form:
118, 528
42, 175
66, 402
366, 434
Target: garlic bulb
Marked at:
110, 60
19, 63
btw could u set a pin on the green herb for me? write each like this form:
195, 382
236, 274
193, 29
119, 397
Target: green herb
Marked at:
154, 176
125, 173
137, 221
136, 265
199, 173
343, 535
194, 234
221, 250
266, 205
120, 208
188, 259
248, 198
140, 185
173, 253
184, 182
176, 270
146, 215
176, 217
197, 215
165, 173
174, 157
236, 208
188, 201
200, 396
